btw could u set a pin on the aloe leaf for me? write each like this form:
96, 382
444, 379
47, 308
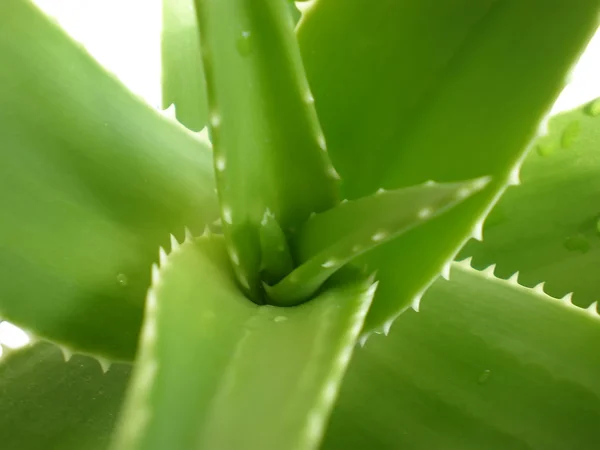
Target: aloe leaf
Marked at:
547, 228
92, 181
330, 240
456, 91
48, 403
276, 257
294, 11
183, 83
268, 147
485, 364
216, 370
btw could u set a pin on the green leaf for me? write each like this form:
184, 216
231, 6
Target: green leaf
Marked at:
485, 364
547, 228
48, 403
92, 181
455, 91
330, 240
294, 11
276, 257
183, 83
217, 371
269, 149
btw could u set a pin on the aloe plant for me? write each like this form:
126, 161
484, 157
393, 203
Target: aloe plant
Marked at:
213, 268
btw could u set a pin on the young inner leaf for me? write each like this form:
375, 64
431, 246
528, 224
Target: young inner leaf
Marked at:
276, 259
269, 150
330, 240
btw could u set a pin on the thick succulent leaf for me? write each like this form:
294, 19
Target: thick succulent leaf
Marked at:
294, 11
216, 371
268, 147
486, 364
547, 228
92, 181
183, 83
47, 403
276, 257
328, 241
455, 91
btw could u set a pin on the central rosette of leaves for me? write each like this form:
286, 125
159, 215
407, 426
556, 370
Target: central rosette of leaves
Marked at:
285, 228
286, 269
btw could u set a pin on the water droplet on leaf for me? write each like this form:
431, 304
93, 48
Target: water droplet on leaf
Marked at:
545, 149
484, 376
570, 134
122, 280
244, 43
577, 243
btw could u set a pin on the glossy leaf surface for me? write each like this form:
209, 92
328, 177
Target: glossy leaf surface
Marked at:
47, 403
92, 181
547, 228
455, 91
485, 364
183, 83
330, 240
218, 371
268, 147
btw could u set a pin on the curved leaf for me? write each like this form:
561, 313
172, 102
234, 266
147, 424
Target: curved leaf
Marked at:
330, 240
486, 364
183, 83
547, 228
216, 371
91, 183
455, 91
48, 403
269, 149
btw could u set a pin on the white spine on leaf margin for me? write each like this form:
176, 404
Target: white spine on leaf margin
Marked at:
538, 288
104, 364
162, 256
170, 112
490, 270
568, 299
445, 273
66, 353
174, 244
